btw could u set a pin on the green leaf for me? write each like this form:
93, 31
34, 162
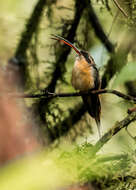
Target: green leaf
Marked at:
128, 73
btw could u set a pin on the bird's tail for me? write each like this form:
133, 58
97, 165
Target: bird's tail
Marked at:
92, 103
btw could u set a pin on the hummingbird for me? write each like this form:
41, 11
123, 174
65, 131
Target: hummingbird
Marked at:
85, 77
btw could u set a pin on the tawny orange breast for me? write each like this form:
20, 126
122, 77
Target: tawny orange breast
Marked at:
82, 75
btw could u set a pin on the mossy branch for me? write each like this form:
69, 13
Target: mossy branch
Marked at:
99, 31
20, 57
116, 62
114, 130
30, 28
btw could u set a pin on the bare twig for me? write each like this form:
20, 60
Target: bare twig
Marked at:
120, 8
80, 110
49, 95
112, 131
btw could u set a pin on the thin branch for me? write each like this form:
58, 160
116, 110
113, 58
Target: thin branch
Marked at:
120, 8
114, 130
111, 132
49, 95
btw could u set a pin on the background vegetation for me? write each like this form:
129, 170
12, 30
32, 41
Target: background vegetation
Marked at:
53, 143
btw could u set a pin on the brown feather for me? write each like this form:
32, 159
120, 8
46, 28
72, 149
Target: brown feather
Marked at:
93, 106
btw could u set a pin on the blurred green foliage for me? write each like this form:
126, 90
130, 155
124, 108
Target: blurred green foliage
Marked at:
58, 168
126, 74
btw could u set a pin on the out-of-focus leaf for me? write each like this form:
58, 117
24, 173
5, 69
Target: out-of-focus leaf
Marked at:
59, 168
128, 73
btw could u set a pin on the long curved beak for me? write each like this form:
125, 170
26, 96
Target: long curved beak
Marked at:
55, 37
